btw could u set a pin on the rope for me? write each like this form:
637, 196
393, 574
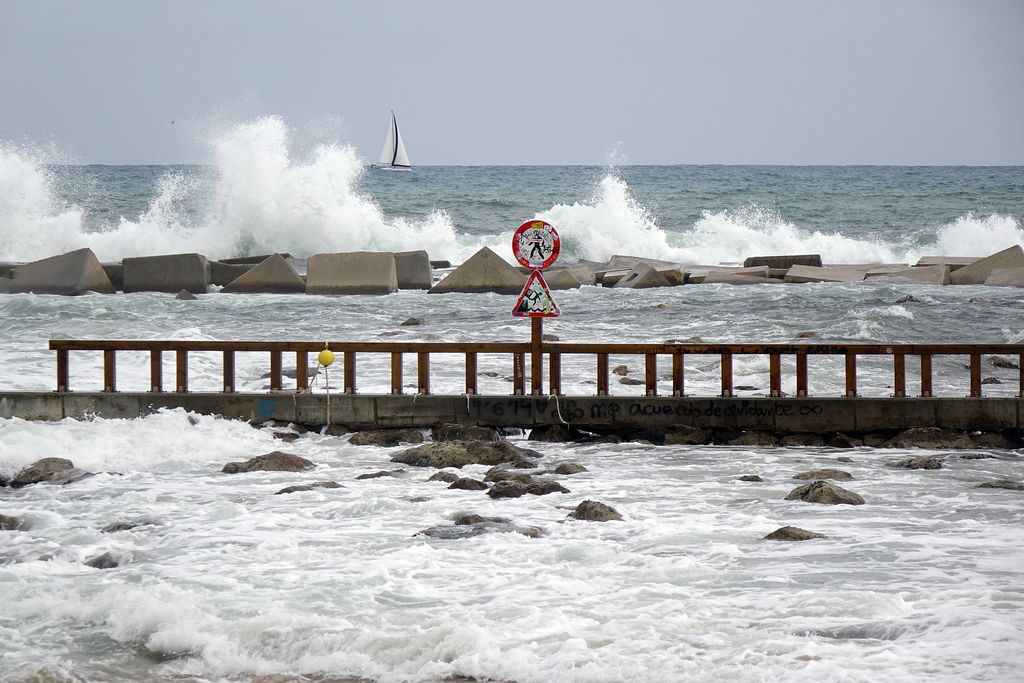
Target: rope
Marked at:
558, 409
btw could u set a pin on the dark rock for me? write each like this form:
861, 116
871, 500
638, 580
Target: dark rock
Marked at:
916, 464
41, 470
929, 437
334, 430
570, 468
275, 461
310, 487
824, 474
8, 523
108, 560
976, 456
381, 473
790, 440
749, 477
477, 519
875, 439
447, 477
746, 387
287, 437
4, 481
825, 493
543, 488
128, 525
991, 440
69, 476
1000, 362
456, 432
556, 434
631, 381
185, 295
838, 440
762, 439
468, 484
1008, 484
621, 370
549, 337
808, 334
792, 533
908, 299
843, 458
991, 380
507, 489
684, 435
459, 531
496, 474
411, 322
593, 511
459, 453
386, 437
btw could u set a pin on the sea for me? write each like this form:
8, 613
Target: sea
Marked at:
219, 579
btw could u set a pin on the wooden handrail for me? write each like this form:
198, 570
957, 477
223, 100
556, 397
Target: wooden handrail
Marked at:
347, 352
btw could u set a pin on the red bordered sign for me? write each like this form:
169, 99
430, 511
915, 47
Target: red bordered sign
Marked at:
536, 244
536, 301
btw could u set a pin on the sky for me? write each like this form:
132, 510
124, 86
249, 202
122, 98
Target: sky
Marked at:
526, 82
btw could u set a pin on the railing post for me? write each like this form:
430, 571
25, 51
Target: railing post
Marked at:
555, 373
423, 372
801, 374
62, 370
350, 372
651, 374
975, 374
774, 374
156, 371
471, 373
302, 370
275, 371
1020, 378
396, 372
518, 373
926, 375
109, 370
899, 379
851, 374
602, 374
678, 379
536, 357
726, 373
229, 372
181, 374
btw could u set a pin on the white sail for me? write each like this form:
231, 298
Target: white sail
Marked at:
394, 154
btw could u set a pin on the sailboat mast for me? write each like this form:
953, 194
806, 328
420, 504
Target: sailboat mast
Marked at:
394, 126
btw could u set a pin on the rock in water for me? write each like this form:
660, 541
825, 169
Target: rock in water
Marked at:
593, 511
792, 533
275, 461
825, 493
824, 474
310, 487
41, 470
386, 437
917, 464
185, 295
1007, 484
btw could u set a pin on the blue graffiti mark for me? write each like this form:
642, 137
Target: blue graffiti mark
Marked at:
267, 406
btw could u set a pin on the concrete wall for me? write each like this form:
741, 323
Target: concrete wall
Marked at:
365, 411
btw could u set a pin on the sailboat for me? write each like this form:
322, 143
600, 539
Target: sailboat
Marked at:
394, 156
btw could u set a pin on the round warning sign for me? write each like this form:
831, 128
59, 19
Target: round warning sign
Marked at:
536, 244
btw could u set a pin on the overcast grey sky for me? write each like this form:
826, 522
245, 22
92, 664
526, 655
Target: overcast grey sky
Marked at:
525, 82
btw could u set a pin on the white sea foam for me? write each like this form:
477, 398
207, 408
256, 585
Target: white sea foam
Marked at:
972, 235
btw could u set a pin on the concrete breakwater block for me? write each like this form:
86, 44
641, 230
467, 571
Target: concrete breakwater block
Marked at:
274, 275
357, 272
937, 274
75, 272
830, 274
222, 273
484, 271
646, 275
166, 273
954, 262
784, 261
1006, 277
413, 270
977, 272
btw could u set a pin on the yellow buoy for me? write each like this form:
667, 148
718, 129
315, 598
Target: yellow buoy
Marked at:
326, 357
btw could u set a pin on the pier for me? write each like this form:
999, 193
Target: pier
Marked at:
533, 401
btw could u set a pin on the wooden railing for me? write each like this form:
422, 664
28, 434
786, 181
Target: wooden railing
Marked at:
676, 353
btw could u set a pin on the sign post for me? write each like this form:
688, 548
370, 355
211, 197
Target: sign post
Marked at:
535, 244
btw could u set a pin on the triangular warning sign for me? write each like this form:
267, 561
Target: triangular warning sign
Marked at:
536, 301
